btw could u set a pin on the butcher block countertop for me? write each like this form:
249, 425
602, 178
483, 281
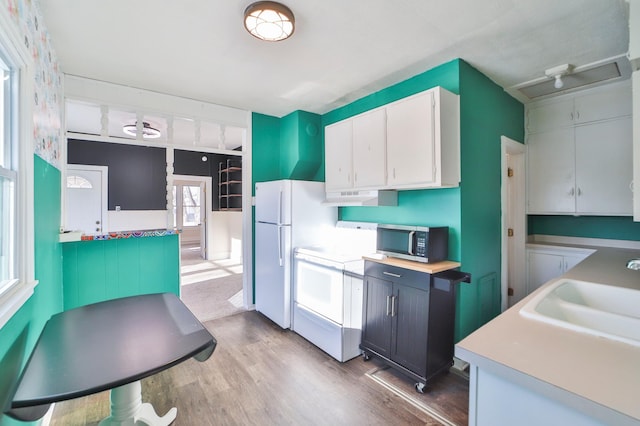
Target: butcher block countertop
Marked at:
429, 268
603, 371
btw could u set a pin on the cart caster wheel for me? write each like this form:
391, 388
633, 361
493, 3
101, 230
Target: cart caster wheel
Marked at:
419, 387
366, 357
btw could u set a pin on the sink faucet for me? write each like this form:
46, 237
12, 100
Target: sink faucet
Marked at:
634, 264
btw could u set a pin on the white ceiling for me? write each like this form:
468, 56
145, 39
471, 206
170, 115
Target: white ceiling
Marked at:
341, 49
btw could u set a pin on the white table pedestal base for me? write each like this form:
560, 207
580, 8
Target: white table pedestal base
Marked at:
127, 409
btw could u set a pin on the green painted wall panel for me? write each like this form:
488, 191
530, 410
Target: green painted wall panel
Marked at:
486, 114
47, 297
433, 207
610, 227
108, 269
265, 148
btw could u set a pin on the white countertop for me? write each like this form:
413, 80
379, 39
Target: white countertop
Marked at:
601, 370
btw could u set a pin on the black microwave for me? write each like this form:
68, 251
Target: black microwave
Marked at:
417, 243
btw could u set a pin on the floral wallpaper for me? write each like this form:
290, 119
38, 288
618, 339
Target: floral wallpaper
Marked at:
48, 90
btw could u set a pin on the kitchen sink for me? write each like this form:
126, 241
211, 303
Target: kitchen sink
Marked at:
597, 309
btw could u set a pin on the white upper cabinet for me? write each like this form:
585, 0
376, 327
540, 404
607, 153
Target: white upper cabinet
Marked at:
338, 146
600, 104
551, 172
549, 116
412, 143
604, 168
582, 166
369, 142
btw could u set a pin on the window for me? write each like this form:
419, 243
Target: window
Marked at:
16, 175
78, 182
191, 205
8, 176
186, 209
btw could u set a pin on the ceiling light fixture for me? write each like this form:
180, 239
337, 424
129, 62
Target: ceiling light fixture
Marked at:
557, 73
269, 20
148, 132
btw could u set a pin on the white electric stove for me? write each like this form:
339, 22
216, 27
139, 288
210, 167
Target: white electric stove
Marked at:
327, 293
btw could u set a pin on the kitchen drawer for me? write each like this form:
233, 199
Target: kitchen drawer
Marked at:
341, 343
398, 275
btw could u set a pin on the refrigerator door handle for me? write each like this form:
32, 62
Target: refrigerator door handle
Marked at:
280, 257
280, 208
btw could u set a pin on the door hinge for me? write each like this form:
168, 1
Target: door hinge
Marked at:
510, 232
509, 172
509, 291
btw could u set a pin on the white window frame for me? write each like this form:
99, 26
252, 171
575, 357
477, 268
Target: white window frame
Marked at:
15, 294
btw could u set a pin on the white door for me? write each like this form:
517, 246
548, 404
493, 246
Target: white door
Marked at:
86, 199
514, 230
203, 221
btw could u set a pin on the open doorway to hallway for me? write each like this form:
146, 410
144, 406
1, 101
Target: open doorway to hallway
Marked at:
210, 288
211, 283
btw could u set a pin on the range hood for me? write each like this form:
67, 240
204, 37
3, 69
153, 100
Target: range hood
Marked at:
372, 197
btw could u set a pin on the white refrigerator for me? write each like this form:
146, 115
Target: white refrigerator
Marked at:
289, 214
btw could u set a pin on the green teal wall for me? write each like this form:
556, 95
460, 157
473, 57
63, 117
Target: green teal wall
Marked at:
608, 227
47, 298
99, 270
302, 149
290, 147
265, 148
487, 112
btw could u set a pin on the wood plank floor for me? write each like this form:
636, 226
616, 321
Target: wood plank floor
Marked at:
262, 375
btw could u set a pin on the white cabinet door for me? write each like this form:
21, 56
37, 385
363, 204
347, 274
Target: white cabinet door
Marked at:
603, 105
569, 261
545, 263
338, 145
549, 116
411, 150
369, 144
550, 171
604, 168
543, 267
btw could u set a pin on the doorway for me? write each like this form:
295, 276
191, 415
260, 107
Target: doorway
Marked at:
211, 267
514, 232
190, 212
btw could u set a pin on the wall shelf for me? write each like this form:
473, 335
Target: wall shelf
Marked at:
230, 185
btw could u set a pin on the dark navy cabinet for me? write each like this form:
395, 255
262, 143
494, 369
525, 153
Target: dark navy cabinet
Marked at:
408, 320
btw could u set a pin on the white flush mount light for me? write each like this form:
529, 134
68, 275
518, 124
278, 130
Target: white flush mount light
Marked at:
148, 132
269, 20
557, 73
